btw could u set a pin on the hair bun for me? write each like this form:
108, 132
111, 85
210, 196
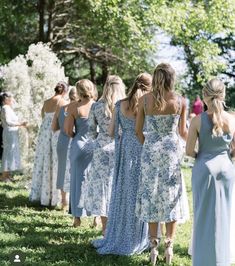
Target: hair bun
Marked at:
61, 87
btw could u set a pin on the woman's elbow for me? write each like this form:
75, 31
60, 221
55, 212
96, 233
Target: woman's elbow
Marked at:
53, 128
184, 134
190, 152
111, 133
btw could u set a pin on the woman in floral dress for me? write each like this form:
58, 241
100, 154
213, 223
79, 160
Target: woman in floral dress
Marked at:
160, 188
44, 177
125, 234
96, 189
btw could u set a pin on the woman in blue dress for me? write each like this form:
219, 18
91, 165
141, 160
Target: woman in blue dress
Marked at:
160, 188
96, 189
213, 177
62, 146
125, 234
80, 154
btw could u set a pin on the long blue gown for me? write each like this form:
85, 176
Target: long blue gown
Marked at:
80, 158
125, 233
62, 150
213, 177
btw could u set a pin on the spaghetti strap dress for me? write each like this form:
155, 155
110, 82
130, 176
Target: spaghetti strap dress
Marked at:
125, 233
80, 159
62, 150
213, 177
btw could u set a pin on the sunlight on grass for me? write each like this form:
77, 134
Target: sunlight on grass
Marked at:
47, 238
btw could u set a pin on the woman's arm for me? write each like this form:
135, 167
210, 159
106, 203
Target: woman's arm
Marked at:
192, 137
55, 123
111, 130
140, 120
69, 121
7, 115
183, 119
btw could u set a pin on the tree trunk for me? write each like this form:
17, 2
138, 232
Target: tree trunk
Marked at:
92, 71
49, 22
105, 72
41, 10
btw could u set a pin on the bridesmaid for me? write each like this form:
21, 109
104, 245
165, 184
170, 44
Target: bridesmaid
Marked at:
62, 146
96, 189
11, 146
160, 188
125, 234
44, 176
213, 177
80, 154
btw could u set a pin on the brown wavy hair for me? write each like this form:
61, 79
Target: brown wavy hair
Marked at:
163, 80
141, 85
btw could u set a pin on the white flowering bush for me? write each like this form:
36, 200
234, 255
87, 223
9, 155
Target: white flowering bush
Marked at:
32, 79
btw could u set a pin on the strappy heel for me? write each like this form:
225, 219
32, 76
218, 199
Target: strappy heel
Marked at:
154, 243
168, 250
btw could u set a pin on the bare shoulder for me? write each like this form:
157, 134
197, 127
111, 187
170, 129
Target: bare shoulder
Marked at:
72, 107
62, 102
196, 121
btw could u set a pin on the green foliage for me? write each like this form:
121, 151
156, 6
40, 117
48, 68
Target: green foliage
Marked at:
18, 20
117, 36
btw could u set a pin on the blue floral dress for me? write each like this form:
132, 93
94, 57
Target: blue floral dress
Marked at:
96, 189
160, 187
125, 233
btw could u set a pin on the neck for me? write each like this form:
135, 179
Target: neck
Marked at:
85, 100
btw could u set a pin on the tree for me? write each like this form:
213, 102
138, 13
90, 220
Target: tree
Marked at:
18, 27
195, 25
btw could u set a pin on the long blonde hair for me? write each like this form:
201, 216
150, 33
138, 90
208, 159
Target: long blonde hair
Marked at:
163, 80
214, 95
114, 90
141, 85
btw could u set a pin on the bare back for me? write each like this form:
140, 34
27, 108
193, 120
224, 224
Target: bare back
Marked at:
173, 104
52, 104
125, 109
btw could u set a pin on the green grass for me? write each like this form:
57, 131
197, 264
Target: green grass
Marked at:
47, 238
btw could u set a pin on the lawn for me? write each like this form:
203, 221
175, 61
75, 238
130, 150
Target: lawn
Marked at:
47, 238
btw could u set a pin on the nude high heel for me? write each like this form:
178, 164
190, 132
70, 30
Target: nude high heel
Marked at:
154, 243
168, 250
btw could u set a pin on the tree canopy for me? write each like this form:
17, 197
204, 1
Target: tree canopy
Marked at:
93, 38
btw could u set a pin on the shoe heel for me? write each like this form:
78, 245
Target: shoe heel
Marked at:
153, 256
168, 251
169, 258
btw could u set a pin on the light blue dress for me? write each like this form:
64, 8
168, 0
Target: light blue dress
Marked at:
10, 137
80, 158
62, 150
125, 234
96, 190
160, 195
213, 177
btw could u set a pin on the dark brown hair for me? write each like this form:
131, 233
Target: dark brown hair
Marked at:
142, 84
